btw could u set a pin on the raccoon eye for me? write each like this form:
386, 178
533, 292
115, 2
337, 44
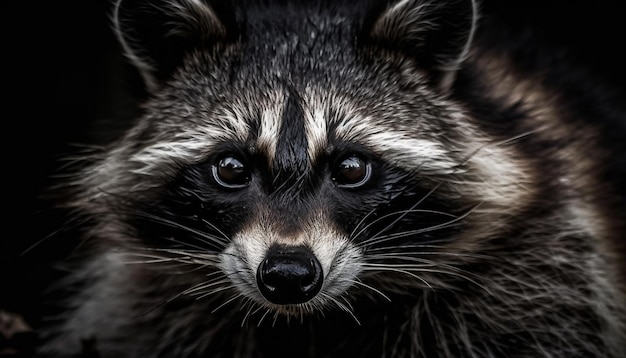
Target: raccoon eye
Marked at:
352, 172
231, 173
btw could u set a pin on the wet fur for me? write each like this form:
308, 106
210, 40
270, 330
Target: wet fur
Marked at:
488, 229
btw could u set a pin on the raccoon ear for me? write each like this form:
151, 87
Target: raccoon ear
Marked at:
437, 34
155, 34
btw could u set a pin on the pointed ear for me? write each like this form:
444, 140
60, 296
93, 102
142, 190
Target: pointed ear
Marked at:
436, 33
156, 34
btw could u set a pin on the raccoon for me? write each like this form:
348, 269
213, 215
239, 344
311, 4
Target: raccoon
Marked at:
341, 178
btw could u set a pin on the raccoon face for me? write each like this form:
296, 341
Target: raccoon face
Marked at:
292, 164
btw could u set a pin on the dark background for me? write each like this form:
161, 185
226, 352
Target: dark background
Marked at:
64, 82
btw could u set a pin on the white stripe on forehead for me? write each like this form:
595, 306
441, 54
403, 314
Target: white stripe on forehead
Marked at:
411, 153
399, 147
192, 144
230, 124
315, 125
270, 119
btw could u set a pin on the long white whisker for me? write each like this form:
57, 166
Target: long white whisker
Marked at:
385, 238
248, 312
170, 299
212, 292
357, 282
226, 238
267, 311
342, 306
392, 251
382, 267
400, 212
203, 237
231, 299
411, 208
208, 284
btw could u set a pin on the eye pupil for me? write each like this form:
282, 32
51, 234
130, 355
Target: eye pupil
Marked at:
352, 169
352, 172
230, 172
230, 169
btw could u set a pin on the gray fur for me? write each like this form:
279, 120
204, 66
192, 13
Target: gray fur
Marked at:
525, 270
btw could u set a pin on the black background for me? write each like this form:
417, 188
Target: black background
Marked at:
63, 78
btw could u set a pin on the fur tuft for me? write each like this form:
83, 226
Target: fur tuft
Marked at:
331, 179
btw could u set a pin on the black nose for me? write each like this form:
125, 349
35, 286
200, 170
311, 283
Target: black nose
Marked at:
289, 275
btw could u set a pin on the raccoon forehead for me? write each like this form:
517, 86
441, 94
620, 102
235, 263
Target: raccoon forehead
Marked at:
405, 139
398, 137
444, 145
191, 131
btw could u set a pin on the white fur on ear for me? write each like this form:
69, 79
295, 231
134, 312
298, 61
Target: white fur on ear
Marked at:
438, 34
152, 33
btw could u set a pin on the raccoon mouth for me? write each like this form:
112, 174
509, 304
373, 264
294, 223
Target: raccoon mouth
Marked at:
289, 275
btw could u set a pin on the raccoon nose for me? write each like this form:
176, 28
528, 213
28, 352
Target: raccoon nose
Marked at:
289, 275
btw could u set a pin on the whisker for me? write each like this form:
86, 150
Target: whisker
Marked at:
267, 311
183, 258
385, 238
203, 237
385, 251
515, 138
214, 227
399, 212
208, 284
231, 299
398, 235
150, 259
257, 310
383, 267
358, 282
248, 313
212, 292
451, 271
342, 306
353, 234
184, 243
161, 304
69, 224
200, 255
411, 208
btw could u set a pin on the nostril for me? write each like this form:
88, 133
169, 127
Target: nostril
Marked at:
289, 275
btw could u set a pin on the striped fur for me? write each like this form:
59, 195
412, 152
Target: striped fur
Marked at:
481, 228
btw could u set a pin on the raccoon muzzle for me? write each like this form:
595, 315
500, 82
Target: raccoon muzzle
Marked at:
289, 275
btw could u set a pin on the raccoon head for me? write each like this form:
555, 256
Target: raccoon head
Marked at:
295, 156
